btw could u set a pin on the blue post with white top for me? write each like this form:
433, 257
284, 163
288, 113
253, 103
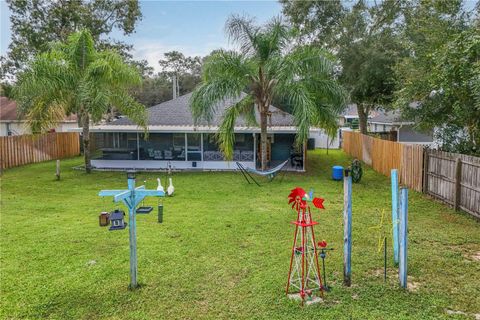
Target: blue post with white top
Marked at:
347, 229
131, 198
394, 178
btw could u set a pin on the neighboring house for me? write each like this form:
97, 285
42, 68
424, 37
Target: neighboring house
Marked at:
12, 124
350, 115
392, 124
174, 140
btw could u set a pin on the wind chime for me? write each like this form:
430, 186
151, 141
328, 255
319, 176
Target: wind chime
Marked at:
304, 278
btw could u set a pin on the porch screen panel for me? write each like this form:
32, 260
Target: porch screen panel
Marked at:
115, 145
194, 146
243, 148
163, 146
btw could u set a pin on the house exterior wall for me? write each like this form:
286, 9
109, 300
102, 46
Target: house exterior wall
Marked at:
20, 127
408, 134
322, 141
378, 127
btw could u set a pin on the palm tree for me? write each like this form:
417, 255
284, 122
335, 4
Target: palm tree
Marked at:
267, 68
74, 77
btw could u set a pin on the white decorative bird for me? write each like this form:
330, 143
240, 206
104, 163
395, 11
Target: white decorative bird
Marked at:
170, 188
160, 187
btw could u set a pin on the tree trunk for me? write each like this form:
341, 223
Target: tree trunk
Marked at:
263, 139
363, 112
86, 141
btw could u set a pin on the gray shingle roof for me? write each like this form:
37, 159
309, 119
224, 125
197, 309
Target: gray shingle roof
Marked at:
176, 112
387, 117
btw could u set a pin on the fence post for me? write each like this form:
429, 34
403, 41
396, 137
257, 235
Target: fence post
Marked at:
347, 229
458, 187
425, 171
402, 270
394, 178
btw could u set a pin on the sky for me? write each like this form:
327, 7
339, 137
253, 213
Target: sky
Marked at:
192, 27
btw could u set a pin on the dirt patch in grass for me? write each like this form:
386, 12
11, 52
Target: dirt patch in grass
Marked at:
475, 256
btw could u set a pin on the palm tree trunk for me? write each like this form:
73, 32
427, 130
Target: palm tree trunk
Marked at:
263, 139
86, 141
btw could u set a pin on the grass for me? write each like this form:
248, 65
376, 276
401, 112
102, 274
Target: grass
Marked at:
222, 251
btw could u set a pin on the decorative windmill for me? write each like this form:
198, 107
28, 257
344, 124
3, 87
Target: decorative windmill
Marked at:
304, 278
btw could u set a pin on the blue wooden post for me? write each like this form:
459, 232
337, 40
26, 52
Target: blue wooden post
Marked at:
131, 198
132, 229
347, 229
394, 178
402, 270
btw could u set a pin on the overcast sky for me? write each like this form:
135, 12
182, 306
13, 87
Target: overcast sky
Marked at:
192, 27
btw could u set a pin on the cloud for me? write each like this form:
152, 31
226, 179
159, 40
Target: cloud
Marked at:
152, 50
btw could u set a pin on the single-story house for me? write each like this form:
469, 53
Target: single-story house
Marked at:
400, 130
12, 124
175, 140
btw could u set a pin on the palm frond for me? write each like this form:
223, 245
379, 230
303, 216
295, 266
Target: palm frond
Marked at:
226, 133
80, 49
225, 75
127, 105
242, 30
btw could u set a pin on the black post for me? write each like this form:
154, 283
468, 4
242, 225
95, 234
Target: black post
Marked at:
385, 259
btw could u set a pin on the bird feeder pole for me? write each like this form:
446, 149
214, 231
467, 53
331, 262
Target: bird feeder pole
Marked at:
131, 198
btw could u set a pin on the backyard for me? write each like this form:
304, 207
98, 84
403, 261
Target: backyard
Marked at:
223, 249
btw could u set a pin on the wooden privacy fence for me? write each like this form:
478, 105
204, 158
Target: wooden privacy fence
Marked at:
450, 177
453, 178
24, 149
385, 155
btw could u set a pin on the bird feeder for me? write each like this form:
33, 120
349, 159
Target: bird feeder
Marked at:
117, 220
103, 219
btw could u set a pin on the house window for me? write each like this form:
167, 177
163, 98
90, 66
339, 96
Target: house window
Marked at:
376, 129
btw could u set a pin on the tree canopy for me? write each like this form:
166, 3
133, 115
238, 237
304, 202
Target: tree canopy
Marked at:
365, 39
35, 24
438, 82
74, 77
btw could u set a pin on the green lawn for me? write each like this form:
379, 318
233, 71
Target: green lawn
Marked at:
222, 251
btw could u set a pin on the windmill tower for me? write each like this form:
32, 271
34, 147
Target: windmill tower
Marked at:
304, 280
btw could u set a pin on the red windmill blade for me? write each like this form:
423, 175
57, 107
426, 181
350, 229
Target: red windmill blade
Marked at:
318, 203
296, 196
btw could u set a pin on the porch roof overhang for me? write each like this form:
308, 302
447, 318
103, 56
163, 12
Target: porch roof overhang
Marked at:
182, 129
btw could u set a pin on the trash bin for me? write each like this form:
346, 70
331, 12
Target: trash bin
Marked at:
337, 173
311, 144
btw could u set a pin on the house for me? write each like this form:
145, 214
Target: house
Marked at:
175, 140
11, 123
391, 125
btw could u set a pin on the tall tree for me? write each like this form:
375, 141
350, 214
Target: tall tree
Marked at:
442, 73
36, 23
267, 67
73, 77
184, 70
364, 36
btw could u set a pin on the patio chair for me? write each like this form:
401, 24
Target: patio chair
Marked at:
270, 174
